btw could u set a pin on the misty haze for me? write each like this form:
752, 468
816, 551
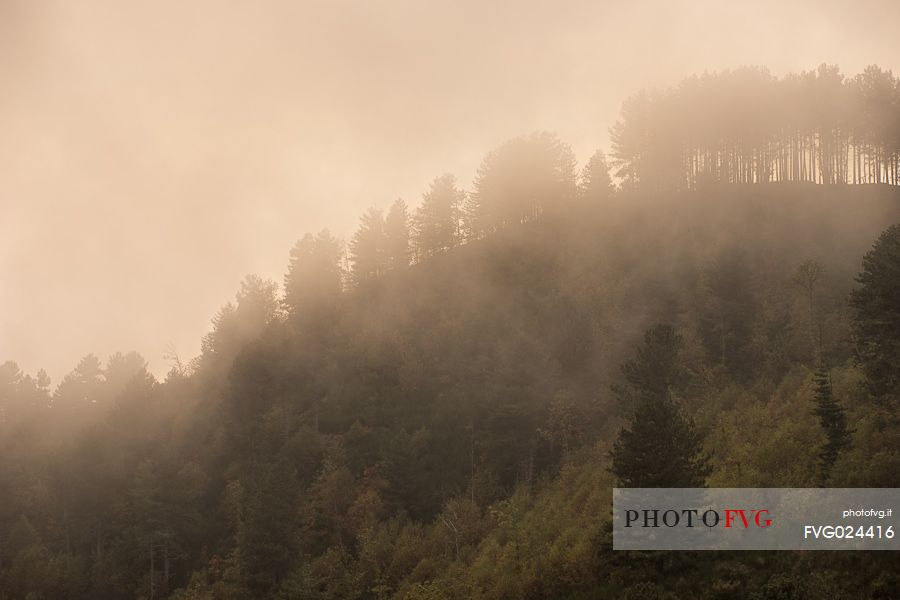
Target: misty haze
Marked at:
381, 300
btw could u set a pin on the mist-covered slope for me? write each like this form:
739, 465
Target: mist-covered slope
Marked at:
443, 430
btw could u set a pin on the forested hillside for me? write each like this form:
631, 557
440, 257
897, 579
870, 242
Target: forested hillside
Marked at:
750, 127
440, 407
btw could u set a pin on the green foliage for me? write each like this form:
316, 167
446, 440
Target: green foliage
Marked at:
784, 456
877, 319
656, 372
448, 429
265, 540
660, 447
833, 421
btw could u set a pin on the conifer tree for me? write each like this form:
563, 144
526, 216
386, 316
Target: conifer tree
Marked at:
265, 534
367, 248
877, 319
595, 183
237, 323
659, 447
437, 223
314, 279
833, 421
522, 179
83, 385
396, 234
471, 225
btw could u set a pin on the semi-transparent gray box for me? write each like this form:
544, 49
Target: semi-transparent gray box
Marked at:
755, 518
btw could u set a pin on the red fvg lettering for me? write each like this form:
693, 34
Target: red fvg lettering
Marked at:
755, 515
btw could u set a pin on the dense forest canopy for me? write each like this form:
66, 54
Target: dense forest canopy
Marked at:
439, 408
746, 126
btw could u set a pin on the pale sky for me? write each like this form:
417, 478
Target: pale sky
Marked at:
153, 153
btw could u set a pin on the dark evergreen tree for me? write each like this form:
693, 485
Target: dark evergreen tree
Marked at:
267, 527
659, 447
656, 371
877, 319
833, 420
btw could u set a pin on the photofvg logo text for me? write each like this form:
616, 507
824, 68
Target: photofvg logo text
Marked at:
693, 517
754, 519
